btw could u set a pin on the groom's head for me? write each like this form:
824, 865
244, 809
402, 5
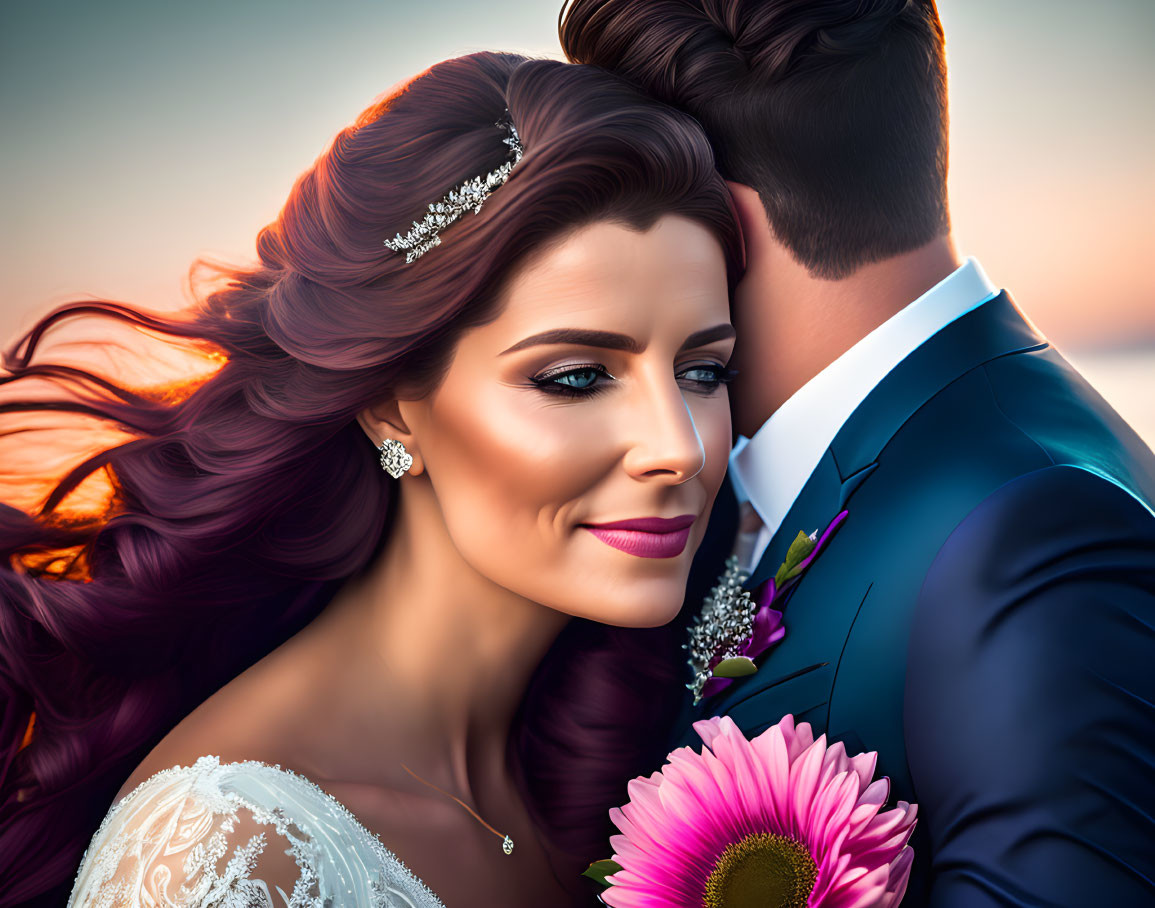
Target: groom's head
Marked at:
834, 111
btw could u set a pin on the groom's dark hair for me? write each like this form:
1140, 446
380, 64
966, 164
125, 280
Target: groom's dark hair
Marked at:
835, 111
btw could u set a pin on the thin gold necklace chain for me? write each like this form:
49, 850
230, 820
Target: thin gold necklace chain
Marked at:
506, 843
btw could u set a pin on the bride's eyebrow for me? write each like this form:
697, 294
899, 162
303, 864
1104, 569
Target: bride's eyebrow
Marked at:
611, 340
582, 337
724, 331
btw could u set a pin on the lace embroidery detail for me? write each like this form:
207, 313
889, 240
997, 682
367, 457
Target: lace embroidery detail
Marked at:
188, 809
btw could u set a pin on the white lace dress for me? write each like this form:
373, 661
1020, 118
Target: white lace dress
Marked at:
207, 836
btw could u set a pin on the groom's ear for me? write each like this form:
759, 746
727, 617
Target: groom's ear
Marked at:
756, 230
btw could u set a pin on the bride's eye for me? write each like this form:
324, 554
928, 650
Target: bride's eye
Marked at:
584, 380
707, 377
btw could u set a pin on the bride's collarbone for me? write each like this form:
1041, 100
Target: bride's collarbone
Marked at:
440, 841
466, 869
458, 857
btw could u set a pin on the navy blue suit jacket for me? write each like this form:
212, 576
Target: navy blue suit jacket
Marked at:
984, 619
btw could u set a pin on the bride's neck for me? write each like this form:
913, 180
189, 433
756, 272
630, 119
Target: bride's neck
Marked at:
426, 658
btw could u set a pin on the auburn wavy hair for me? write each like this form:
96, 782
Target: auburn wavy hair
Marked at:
182, 492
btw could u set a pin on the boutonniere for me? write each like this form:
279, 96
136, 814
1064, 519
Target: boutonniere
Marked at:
781, 821
733, 628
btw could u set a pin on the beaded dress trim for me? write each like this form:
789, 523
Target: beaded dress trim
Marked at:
194, 810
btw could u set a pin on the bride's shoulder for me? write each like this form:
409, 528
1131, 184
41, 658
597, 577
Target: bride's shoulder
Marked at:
186, 833
245, 832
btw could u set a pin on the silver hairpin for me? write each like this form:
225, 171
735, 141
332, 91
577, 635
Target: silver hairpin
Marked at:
470, 194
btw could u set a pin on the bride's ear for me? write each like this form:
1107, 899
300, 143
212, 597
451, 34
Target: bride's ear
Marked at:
385, 420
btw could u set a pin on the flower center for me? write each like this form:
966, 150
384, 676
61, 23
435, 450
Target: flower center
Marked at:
764, 870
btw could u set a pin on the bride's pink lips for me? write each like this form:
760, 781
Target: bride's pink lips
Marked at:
647, 537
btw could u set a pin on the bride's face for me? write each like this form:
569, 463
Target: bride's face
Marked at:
594, 399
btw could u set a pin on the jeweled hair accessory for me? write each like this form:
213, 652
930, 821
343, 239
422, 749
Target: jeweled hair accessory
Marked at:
470, 194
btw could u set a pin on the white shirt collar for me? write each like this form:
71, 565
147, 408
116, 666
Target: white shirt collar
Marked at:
770, 469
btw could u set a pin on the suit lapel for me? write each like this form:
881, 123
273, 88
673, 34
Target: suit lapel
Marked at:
799, 672
994, 329
813, 509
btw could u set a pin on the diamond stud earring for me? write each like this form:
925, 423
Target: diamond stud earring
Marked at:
395, 460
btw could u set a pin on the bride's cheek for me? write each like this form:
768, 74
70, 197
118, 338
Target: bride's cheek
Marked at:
518, 476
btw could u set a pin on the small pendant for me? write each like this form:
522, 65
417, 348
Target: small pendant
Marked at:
507, 845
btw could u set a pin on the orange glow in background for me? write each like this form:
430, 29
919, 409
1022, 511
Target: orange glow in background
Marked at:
39, 448
139, 136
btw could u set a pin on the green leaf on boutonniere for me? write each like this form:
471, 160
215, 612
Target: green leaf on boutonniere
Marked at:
734, 667
599, 870
799, 549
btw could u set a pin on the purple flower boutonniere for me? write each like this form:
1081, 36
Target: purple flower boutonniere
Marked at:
733, 628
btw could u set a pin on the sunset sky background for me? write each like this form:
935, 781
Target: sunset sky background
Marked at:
139, 135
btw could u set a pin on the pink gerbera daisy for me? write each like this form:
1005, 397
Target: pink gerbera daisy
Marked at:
782, 820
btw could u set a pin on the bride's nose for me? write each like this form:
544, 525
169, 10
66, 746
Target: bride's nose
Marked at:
664, 442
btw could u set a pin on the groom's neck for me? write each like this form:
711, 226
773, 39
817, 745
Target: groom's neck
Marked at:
792, 325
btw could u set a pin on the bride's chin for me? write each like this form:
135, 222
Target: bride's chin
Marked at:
644, 611
632, 592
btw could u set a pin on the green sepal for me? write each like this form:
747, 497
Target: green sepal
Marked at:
734, 667
798, 552
599, 870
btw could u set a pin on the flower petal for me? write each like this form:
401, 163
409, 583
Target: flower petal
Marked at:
709, 729
899, 877
770, 747
864, 764
715, 685
803, 784
860, 888
751, 797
